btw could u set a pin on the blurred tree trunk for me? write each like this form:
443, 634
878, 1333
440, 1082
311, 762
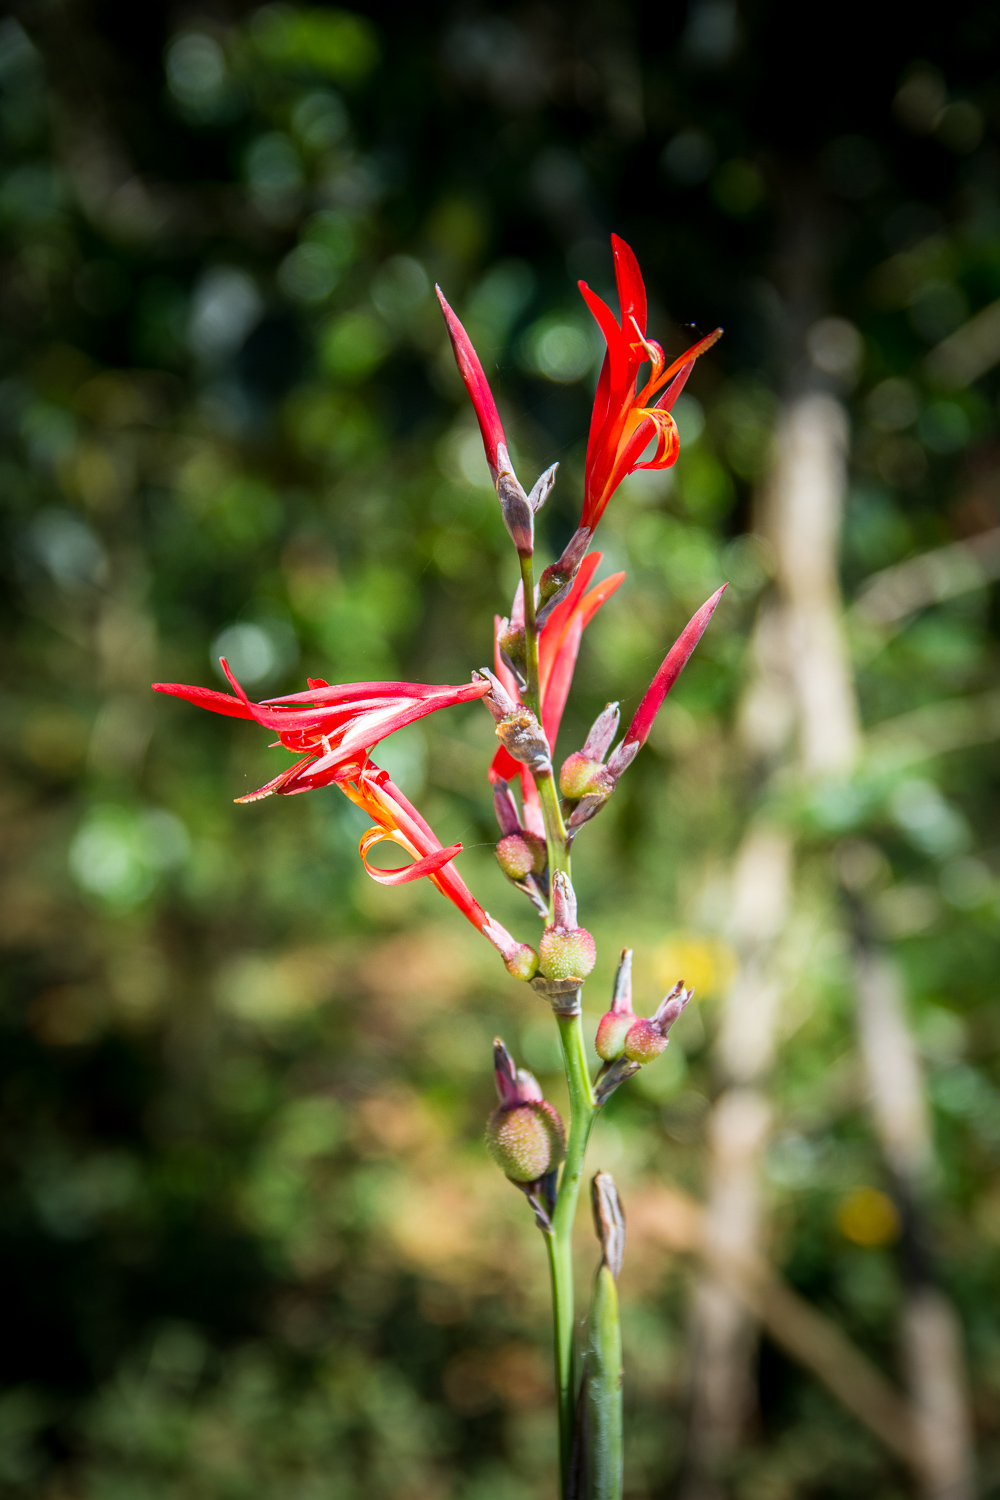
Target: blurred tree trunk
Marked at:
802, 678
931, 1339
804, 681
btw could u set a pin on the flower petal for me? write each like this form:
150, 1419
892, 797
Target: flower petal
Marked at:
429, 864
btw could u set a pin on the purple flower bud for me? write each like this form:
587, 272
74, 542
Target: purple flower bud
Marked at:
506, 808
518, 516
602, 732
557, 579
621, 999
670, 1007
563, 900
497, 700
505, 1074
542, 488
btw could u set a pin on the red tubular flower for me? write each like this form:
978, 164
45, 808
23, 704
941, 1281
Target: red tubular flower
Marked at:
471, 371
397, 821
624, 421
673, 665
332, 728
558, 646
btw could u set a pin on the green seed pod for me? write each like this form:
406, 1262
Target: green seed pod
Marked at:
644, 1042
523, 962
513, 642
611, 1033
566, 953
580, 776
526, 1140
521, 854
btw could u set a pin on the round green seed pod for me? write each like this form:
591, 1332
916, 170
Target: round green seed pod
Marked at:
515, 856
523, 962
611, 1033
566, 953
526, 1140
579, 775
521, 854
643, 1042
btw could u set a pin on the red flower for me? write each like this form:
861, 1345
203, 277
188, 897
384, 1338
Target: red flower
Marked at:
624, 422
397, 821
558, 646
471, 371
670, 669
333, 728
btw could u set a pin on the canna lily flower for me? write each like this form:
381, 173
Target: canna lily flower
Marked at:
331, 728
624, 420
517, 508
558, 647
670, 669
397, 821
584, 779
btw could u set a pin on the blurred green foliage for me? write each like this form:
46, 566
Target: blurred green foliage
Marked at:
252, 1243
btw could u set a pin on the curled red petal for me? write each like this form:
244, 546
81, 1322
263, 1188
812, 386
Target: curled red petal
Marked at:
429, 864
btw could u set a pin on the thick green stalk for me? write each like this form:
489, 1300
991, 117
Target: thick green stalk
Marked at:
603, 1376
583, 1109
583, 1112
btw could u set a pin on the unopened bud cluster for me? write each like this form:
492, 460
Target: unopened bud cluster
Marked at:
624, 1040
524, 1134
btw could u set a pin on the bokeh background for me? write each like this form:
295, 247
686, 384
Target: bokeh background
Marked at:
252, 1245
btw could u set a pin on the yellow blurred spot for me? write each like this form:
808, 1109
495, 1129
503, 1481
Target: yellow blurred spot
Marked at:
868, 1217
706, 965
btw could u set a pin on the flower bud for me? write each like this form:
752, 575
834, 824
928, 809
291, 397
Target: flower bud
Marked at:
513, 643
526, 1140
567, 953
522, 963
523, 737
611, 1033
580, 776
521, 854
644, 1042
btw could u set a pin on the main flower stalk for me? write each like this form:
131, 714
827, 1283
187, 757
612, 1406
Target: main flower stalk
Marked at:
333, 730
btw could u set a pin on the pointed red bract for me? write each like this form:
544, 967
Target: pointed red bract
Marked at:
624, 422
478, 387
332, 728
673, 665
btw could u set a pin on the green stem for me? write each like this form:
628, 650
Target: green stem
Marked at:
583, 1112
603, 1376
531, 697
